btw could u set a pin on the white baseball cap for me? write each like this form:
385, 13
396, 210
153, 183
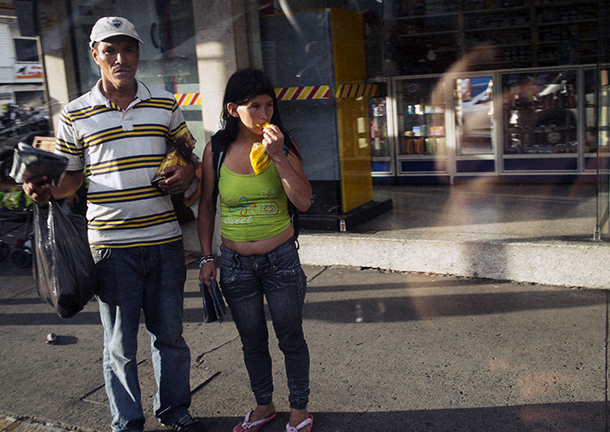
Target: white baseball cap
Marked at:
112, 26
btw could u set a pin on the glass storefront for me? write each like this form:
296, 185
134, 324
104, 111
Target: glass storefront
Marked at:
500, 123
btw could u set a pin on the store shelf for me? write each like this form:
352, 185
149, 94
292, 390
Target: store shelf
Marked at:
525, 33
430, 16
426, 25
424, 34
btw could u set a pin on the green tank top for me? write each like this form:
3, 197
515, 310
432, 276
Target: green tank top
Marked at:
252, 207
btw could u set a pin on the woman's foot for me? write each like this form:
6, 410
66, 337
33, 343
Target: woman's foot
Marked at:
261, 412
299, 416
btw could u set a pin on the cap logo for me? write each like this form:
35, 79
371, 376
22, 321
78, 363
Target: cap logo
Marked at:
117, 23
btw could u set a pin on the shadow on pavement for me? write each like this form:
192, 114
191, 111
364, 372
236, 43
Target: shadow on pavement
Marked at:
576, 417
370, 309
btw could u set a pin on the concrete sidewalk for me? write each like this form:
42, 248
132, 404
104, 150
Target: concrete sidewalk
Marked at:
536, 233
390, 351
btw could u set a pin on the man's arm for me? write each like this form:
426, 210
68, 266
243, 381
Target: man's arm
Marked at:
40, 190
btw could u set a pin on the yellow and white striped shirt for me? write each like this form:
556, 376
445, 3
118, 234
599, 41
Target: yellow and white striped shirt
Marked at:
120, 151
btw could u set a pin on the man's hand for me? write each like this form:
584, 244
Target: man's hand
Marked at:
178, 178
38, 189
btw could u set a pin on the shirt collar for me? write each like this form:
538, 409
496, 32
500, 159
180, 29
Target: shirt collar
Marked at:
97, 98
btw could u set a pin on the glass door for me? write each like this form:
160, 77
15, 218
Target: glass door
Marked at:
474, 124
380, 125
421, 147
474, 115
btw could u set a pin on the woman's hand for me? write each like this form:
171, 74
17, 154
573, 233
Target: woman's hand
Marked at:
207, 271
273, 141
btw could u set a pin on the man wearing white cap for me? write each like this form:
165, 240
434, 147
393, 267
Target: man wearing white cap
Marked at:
118, 134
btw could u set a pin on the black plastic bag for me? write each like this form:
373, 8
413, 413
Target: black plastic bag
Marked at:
214, 308
63, 265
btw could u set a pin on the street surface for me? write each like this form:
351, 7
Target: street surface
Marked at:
390, 352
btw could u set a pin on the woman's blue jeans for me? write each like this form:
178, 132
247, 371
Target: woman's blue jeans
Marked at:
278, 277
149, 279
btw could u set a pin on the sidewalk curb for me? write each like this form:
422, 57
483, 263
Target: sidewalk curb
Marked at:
571, 264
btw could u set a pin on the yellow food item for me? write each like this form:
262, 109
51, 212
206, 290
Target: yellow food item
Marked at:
180, 154
172, 158
259, 158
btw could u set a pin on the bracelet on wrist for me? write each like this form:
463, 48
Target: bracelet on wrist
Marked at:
206, 259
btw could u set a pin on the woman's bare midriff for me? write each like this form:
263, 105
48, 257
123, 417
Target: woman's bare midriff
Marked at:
260, 246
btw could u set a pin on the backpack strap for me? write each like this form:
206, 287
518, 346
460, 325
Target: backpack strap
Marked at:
218, 155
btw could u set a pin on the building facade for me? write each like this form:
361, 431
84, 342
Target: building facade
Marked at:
389, 91
21, 80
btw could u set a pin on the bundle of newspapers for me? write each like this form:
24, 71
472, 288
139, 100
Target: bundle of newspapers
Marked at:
30, 162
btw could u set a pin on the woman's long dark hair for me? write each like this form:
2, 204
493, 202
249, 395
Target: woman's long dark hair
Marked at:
241, 87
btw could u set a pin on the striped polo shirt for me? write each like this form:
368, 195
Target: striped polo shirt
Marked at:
120, 151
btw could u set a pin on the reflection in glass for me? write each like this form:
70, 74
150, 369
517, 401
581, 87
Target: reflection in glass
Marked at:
590, 111
539, 112
474, 115
378, 125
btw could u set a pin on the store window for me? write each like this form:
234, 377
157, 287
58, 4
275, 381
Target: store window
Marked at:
421, 116
26, 50
540, 112
168, 57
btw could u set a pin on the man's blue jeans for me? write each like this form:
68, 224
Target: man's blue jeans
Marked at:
149, 279
278, 277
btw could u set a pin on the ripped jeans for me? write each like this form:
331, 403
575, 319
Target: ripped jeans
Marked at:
278, 277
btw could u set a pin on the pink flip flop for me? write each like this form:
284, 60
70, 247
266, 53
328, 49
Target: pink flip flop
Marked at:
254, 426
304, 423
